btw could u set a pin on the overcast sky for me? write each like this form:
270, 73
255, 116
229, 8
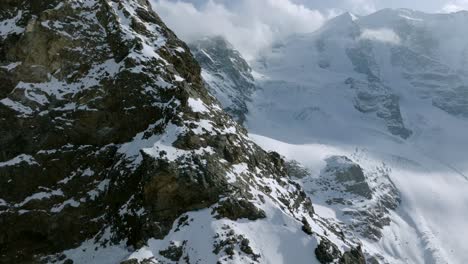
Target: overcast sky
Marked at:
251, 25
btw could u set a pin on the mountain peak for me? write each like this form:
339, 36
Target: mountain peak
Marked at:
342, 24
346, 17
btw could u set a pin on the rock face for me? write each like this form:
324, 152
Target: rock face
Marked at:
362, 198
374, 97
326, 253
227, 74
84, 79
110, 138
349, 175
371, 93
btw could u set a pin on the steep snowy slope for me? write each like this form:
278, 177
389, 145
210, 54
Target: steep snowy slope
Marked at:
374, 107
113, 151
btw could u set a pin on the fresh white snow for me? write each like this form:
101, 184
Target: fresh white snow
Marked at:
8, 26
18, 159
197, 105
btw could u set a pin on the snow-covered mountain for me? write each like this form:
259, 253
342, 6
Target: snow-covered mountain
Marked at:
375, 110
381, 61
112, 150
116, 147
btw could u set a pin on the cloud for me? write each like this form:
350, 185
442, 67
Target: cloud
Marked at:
362, 7
250, 25
383, 35
455, 6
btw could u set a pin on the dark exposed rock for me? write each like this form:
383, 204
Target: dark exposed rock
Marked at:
354, 256
327, 252
173, 252
349, 175
306, 227
143, 261
245, 247
373, 260
130, 261
232, 244
236, 209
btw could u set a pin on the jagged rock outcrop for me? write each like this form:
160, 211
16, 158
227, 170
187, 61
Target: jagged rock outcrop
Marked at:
349, 175
326, 253
110, 141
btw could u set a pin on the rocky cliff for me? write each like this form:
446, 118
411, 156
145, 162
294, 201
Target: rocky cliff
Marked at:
112, 150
